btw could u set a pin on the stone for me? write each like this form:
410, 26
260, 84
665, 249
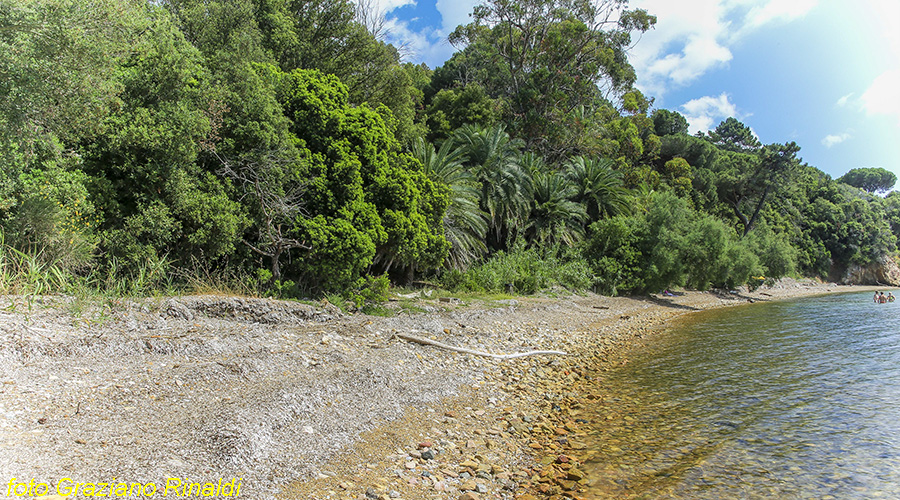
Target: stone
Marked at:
566, 484
575, 474
428, 455
468, 485
469, 496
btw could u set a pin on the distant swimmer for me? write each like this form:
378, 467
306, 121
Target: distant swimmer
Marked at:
891, 297
875, 298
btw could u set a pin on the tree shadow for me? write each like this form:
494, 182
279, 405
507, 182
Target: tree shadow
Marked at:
735, 295
667, 302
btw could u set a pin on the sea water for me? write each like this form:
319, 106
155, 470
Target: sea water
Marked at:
793, 399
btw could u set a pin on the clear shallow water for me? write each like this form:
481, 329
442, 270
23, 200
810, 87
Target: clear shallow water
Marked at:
796, 399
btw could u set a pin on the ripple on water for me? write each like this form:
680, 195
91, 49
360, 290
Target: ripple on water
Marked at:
795, 399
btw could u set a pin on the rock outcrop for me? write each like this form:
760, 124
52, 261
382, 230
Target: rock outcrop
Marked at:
883, 271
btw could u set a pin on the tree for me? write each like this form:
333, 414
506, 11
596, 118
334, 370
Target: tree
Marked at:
598, 187
334, 37
732, 135
871, 179
669, 244
667, 122
547, 57
58, 62
370, 206
269, 177
156, 197
493, 157
554, 217
465, 224
450, 109
747, 181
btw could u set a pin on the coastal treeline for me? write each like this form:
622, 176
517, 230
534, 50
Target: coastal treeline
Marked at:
283, 147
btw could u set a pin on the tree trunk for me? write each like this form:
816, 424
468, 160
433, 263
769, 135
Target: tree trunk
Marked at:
276, 264
740, 215
752, 221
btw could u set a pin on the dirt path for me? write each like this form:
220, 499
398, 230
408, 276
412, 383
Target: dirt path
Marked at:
288, 400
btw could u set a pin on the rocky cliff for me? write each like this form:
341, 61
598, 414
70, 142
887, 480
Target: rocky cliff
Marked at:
883, 271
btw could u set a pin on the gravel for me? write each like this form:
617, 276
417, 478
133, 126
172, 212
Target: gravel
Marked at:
294, 399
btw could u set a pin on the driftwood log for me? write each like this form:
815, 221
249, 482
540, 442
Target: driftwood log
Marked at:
434, 343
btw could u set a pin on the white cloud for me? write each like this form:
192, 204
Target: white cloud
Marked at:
430, 44
692, 37
842, 102
885, 14
385, 6
778, 10
455, 12
833, 140
882, 97
705, 113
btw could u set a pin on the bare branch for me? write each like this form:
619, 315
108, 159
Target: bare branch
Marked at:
266, 175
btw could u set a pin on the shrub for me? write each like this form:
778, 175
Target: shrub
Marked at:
524, 271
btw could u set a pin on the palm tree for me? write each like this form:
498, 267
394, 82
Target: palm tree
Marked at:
464, 223
599, 187
505, 186
555, 217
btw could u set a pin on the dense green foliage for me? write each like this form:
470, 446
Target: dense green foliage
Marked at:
870, 179
282, 147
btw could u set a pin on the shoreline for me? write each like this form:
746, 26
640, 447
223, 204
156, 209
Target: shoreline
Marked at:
544, 435
302, 402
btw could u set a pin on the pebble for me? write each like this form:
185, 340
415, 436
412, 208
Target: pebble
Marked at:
468, 485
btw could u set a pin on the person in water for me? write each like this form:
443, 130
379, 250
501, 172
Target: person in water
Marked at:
875, 298
891, 297
881, 298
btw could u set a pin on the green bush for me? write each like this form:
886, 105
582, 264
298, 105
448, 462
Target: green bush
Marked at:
523, 271
370, 290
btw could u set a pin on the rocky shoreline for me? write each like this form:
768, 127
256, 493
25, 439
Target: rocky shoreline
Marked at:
299, 401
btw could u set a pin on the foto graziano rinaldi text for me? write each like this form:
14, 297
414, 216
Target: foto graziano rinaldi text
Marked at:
173, 487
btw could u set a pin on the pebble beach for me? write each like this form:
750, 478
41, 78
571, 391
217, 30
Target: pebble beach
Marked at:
301, 401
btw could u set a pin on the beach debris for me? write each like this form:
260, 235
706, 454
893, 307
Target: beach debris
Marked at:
434, 343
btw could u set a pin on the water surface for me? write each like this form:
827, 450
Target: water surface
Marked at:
794, 399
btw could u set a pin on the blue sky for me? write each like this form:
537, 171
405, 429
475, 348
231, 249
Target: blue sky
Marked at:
823, 73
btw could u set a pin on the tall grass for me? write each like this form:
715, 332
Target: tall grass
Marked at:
23, 273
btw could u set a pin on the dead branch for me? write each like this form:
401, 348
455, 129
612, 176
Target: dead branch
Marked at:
434, 343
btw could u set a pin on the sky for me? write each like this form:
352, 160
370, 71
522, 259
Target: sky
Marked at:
822, 73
